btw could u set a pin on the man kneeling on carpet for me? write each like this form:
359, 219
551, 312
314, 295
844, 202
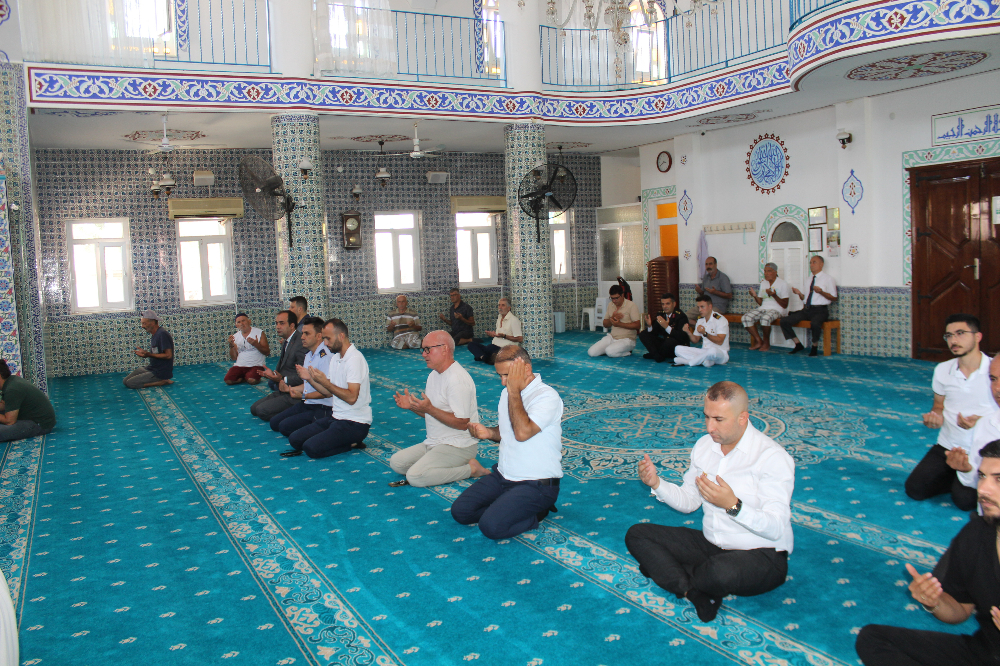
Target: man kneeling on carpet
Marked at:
346, 382
521, 489
712, 330
310, 404
160, 370
743, 482
447, 406
24, 410
963, 582
248, 347
284, 376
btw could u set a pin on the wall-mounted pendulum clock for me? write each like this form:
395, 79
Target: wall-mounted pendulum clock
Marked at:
352, 228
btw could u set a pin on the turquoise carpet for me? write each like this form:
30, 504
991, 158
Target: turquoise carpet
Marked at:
162, 527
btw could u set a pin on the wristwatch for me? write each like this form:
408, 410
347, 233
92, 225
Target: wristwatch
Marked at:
734, 510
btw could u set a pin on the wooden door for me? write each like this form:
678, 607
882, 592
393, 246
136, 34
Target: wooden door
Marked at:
955, 252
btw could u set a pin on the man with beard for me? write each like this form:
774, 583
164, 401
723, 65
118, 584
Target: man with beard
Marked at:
987, 429
961, 397
964, 582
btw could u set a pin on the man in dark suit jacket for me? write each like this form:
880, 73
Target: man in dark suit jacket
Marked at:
280, 380
665, 332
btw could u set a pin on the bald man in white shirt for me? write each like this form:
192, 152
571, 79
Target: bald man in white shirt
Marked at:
743, 480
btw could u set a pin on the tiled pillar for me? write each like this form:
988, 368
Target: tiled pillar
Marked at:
530, 260
303, 266
16, 163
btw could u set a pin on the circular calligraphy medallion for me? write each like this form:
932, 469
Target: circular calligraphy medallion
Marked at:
767, 163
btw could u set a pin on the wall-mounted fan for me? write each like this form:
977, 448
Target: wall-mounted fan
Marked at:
265, 191
546, 189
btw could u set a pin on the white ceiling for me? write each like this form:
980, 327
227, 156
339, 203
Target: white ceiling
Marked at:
79, 129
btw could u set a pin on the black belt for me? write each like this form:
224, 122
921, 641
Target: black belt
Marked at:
547, 482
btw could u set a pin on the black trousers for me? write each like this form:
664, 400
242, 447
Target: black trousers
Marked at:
662, 349
483, 352
932, 477
503, 508
880, 645
328, 436
816, 314
679, 559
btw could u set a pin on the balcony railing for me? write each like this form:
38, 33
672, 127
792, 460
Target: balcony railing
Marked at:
214, 34
800, 9
717, 35
376, 43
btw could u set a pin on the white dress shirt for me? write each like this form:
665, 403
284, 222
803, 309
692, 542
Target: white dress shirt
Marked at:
782, 290
716, 324
509, 326
320, 358
963, 395
987, 430
350, 367
540, 456
824, 282
452, 391
761, 474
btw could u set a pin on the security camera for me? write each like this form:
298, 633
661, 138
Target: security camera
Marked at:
703, 132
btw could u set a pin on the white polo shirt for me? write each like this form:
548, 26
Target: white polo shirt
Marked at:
320, 359
350, 367
452, 391
781, 288
247, 355
716, 324
509, 326
987, 430
762, 475
540, 456
966, 395
824, 282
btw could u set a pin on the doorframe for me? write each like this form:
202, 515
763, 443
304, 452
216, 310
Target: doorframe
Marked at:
965, 152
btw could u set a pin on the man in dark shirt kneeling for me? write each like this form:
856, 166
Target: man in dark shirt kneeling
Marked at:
25, 411
964, 582
160, 370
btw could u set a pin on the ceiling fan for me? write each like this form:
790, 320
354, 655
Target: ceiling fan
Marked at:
165, 146
416, 153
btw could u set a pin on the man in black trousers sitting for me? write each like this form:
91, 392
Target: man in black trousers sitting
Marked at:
664, 332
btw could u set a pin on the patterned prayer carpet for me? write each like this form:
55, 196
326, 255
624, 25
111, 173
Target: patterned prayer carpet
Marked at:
161, 526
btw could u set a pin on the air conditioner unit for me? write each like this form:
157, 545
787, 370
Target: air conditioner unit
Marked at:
437, 176
205, 207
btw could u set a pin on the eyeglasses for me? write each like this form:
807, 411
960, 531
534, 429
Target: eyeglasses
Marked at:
427, 350
957, 334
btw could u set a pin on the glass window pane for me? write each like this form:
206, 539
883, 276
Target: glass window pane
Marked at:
610, 270
384, 269
785, 232
217, 270
88, 230
394, 221
114, 273
406, 256
473, 219
632, 253
191, 271
209, 226
483, 256
464, 255
559, 251
85, 269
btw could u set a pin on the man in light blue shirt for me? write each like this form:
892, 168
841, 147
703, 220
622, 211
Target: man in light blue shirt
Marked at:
521, 489
314, 404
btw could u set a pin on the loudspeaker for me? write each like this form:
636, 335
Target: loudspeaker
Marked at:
352, 228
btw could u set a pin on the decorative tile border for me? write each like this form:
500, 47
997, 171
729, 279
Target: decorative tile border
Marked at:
789, 212
18, 487
668, 192
63, 85
10, 345
855, 29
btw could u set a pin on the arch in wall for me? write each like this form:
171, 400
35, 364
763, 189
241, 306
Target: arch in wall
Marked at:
785, 213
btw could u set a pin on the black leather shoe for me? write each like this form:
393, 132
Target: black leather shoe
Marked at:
291, 453
359, 445
647, 355
814, 351
798, 348
542, 514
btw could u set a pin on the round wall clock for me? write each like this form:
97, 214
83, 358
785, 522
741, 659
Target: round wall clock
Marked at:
664, 161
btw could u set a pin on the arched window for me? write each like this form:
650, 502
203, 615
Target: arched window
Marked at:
786, 248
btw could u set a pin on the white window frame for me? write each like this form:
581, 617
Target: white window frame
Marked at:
227, 245
492, 231
396, 233
562, 222
126, 245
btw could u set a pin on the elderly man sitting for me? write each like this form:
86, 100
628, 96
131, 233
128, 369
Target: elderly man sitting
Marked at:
773, 304
404, 325
508, 333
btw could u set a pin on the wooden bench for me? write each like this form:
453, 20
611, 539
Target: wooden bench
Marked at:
829, 326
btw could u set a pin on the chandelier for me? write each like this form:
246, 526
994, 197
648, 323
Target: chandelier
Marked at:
617, 17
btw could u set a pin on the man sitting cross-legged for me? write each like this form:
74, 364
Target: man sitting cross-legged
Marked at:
521, 489
964, 582
284, 376
665, 331
346, 382
313, 404
624, 321
712, 330
772, 304
743, 482
447, 406
249, 348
